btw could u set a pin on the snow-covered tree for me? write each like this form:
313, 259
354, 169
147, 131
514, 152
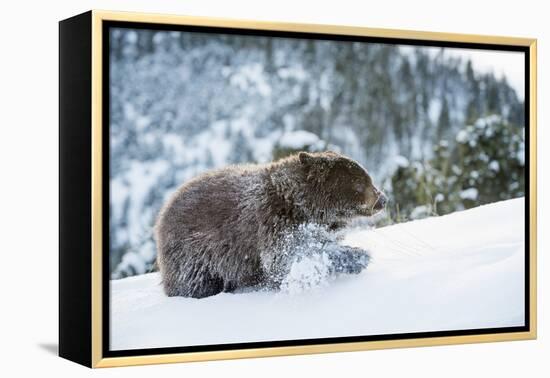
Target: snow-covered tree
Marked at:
486, 164
491, 161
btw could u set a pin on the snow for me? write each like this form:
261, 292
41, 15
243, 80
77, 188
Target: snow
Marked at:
508, 64
441, 273
488, 121
494, 166
420, 212
129, 197
133, 260
462, 136
470, 194
521, 154
296, 72
307, 273
401, 161
434, 109
252, 76
298, 139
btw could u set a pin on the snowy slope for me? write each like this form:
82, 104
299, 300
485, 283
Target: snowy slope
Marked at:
460, 271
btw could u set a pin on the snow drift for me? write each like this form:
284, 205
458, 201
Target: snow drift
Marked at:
460, 271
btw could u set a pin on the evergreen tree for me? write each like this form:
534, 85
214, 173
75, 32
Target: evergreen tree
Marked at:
487, 164
491, 157
241, 152
444, 121
408, 104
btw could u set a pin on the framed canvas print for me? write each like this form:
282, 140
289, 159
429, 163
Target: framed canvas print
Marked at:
238, 189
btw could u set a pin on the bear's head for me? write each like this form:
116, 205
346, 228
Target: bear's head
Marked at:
339, 185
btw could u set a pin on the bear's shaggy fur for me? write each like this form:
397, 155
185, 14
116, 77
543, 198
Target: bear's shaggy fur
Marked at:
220, 231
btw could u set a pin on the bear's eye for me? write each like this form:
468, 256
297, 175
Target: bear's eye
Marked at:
359, 187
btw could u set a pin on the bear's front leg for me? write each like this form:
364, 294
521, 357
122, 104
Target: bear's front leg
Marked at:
350, 260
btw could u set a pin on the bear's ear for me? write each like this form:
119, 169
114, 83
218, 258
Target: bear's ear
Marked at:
305, 158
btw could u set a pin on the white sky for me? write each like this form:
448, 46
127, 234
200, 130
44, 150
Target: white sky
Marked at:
501, 63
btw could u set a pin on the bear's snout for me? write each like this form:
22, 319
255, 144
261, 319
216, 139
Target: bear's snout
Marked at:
380, 201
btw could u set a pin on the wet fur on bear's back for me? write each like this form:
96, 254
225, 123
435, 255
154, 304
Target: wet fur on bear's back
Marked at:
219, 231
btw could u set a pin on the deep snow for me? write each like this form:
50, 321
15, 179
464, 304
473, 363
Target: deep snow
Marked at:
460, 271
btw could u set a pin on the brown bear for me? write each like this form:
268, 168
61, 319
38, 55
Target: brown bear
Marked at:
223, 230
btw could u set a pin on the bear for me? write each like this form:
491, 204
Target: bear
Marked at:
222, 231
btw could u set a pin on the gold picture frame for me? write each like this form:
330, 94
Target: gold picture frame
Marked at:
90, 330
